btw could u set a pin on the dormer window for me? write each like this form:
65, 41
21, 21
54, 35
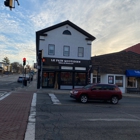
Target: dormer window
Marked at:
67, 32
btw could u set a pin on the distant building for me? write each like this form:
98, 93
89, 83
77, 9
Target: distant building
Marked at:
135, 48
121, 68
3, 67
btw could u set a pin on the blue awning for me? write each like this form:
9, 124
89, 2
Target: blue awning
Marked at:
133, 73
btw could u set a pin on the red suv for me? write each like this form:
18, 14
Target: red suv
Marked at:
97, 92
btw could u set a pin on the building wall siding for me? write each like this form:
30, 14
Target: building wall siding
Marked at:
75, 40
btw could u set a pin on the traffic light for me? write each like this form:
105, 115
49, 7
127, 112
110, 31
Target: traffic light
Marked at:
40, 54
43, 60
8, 3
24, 61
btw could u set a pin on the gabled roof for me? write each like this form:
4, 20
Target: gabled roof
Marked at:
135, 48
67, 22
116, 63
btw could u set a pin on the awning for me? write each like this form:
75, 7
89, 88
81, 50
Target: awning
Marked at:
133, 73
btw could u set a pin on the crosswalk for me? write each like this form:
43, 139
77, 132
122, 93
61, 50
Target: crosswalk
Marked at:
4, 95
54, 99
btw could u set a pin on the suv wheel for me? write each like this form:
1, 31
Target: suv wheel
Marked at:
114, 100
83, 98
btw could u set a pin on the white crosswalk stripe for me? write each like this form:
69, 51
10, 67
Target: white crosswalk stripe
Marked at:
4, 95
54, 99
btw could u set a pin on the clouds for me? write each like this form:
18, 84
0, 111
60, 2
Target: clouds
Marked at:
121, 28
115, 24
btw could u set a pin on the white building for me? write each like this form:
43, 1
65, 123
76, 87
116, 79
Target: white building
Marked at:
66, 52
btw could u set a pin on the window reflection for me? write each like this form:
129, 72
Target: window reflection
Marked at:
131, 82
80, 78
66, 78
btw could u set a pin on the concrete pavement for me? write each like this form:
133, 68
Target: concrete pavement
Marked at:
15, 110
14, 113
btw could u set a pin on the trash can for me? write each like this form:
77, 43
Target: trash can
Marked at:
25, 82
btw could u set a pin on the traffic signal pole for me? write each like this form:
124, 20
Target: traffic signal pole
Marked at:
41, 75
40, 65
23, 77
24, 71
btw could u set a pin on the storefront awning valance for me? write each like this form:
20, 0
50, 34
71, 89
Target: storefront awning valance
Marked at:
133, 73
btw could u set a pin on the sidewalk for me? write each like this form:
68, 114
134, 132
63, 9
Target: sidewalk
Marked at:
14, 113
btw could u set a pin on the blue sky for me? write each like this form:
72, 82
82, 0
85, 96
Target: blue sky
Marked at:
114, 23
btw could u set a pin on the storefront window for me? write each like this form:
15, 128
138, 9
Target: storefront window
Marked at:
110, 79
44, 79
48, 79
119, 81
66, 78
131, 82
80, 78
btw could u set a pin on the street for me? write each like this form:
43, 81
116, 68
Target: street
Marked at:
9, 83
59, 117
71, 120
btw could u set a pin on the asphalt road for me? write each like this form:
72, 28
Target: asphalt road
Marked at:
60, 117
9, 83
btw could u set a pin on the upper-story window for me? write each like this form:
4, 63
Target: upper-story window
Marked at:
67, 32
51, 49
66, 50
80, 52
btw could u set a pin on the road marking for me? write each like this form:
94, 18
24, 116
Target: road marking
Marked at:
30, 131
116, 120
4, 95
54, 99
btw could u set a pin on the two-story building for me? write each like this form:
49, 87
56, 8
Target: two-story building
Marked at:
66, 52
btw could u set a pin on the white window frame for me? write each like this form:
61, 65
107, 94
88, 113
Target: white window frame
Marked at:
51, 49
80, 53
80, 68
66, 52
66, 68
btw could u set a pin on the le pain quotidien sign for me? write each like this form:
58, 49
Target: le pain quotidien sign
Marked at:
59, 61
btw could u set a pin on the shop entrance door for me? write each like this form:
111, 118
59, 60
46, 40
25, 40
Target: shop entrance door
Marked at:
48, 80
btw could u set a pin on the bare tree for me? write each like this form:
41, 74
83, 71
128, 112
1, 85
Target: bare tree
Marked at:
6, 60
16, 67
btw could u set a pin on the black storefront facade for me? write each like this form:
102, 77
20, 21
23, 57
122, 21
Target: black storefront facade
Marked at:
59, 73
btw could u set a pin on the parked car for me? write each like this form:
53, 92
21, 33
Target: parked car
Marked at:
97, 92
21, 78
